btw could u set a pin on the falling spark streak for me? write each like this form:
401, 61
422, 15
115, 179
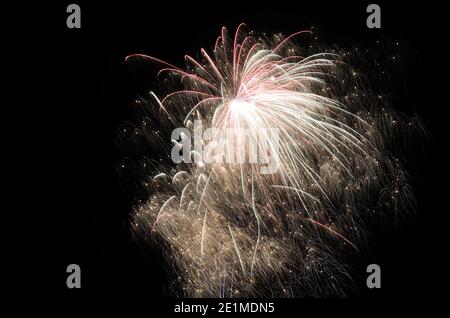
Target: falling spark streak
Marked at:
259, 227
177, 175
162, 209
333, 168
160, 175
183, 193
334, 232
161, 106
237, 249
204, 217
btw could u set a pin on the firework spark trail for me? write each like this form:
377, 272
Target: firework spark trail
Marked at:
232, 231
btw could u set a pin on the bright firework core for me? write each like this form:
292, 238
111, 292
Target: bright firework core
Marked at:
238, 107
230, 231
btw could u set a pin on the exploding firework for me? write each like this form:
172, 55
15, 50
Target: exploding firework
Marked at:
229, 230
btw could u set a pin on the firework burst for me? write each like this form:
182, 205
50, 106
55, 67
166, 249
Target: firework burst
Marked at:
229, 228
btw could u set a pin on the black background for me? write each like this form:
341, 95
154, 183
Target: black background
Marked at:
92, 88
